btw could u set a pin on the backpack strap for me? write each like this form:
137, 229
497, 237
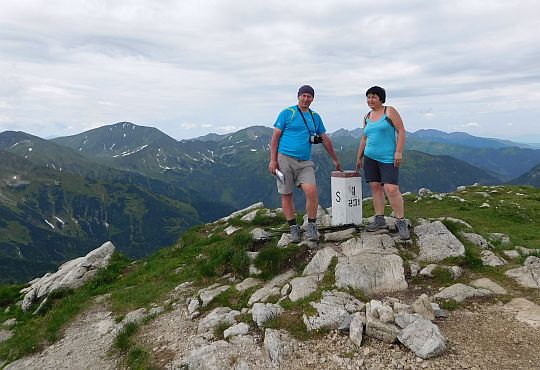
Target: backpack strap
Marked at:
387, 119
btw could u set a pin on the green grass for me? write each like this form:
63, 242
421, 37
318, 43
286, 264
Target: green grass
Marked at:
231, 298
9, 295
273, 260
135, 357
521, 223
450, 305
442, 276
292, 322
33, 332
265, 220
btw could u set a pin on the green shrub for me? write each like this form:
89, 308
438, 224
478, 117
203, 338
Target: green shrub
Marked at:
450, 305
225, 258
272, 260
9, 294
442, 275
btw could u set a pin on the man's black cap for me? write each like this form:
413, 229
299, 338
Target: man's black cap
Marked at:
306, 89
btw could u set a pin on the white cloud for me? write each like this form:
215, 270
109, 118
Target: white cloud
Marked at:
162, 62
471, 124
189, 126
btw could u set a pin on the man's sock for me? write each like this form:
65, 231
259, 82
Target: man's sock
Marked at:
292, 222
312, 220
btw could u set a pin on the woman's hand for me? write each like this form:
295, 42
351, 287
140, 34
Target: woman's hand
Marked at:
398, 157
358, 164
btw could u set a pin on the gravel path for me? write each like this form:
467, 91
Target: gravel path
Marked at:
483, 336
85, 345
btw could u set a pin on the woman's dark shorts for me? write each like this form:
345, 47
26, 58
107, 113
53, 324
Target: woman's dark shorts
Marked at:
385, 173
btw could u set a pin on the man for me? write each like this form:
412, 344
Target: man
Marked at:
295, 130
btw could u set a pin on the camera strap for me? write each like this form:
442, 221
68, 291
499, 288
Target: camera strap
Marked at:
305, 122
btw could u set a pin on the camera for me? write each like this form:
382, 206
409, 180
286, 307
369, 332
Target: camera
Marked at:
315, 139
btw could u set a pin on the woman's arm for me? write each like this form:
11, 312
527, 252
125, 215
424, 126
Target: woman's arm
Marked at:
400, 128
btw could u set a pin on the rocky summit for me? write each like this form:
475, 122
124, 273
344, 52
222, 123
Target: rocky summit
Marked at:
236, 294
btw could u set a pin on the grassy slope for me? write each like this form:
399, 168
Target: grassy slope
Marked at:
205, 253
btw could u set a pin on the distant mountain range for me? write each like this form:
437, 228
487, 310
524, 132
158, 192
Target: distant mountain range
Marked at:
140, 188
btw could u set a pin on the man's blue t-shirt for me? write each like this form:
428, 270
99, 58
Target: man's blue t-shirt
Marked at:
294, 140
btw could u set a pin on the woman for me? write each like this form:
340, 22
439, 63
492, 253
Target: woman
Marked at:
382, 155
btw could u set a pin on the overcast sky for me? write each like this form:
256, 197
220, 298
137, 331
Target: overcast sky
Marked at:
194, 67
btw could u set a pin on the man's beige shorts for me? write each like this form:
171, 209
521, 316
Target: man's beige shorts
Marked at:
296, 172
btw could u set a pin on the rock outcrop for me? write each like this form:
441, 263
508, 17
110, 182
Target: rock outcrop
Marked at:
71, 275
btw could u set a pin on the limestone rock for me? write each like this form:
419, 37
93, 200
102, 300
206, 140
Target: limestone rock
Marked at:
216, 317
485, 283
491, 259
239, 329
371, 273
259, 234
266, 290
456, 221
239, 212
279, 346
356, 328
5, 335
193, 305
423, 338
424, 191
333, 307
526, 311
422, 306
499, 237
246, 284
320, 262
528, 275
526, 251
436, 242
459, 292
375, 328
263, 312
369, 243
512, 253
216, 355
284, 241
208, 296
477, 239
71, 275
231, 230
338, 236
302, 287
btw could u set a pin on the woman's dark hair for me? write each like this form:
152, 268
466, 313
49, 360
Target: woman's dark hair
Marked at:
379, 91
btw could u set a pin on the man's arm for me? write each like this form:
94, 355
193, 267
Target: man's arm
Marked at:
327, 143
273, 166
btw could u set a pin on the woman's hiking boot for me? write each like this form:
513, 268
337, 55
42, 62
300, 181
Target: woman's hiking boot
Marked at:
378, 223
403, 229
295, 234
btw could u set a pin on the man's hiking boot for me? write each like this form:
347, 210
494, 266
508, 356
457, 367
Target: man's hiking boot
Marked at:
311, 232
378, 223
295, 234
403, 229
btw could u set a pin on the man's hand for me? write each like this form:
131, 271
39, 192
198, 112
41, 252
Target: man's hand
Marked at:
338, 165
398, 157
272, 167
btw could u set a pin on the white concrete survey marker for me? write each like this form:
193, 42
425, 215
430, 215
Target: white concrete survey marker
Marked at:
346, 198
